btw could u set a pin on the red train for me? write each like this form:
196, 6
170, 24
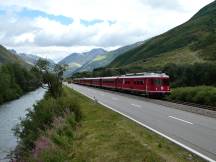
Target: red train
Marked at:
145, 83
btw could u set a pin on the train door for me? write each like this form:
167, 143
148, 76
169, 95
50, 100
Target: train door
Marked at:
119, 83
149, 85
115, 82
146, 85
100, 82
131, 84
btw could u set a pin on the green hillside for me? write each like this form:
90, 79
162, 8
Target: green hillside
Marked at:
191, 42
106, 58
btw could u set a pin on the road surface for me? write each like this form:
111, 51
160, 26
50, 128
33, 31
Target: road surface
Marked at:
192, 131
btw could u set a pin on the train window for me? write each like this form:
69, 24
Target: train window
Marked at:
108, 81
127, 82
158, 82
136, 82
141, 82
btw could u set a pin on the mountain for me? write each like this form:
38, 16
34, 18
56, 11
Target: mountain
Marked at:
191, 42
106, 58
76, 60
7, 56
32, 59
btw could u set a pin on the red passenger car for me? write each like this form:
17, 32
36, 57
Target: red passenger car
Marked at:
144, 83
109, 82
96, 82
149, 83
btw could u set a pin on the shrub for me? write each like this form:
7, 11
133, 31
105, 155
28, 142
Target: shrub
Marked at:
191, 75
204, 95
42, 117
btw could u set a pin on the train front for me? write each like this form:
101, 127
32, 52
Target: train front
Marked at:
159, 85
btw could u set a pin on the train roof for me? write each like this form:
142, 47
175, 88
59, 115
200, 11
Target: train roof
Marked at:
146, 75
141, 75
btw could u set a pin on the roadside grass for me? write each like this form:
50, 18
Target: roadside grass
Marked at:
105, 136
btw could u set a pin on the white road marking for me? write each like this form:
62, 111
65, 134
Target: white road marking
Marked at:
102, 94
154, 130
180, 120
135, 105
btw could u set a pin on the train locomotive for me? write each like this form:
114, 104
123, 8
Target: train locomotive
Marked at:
150, 84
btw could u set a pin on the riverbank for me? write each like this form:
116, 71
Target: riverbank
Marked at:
10, 114
101, 135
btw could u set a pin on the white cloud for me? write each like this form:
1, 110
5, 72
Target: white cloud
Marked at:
135, 20
24, 38
163, 4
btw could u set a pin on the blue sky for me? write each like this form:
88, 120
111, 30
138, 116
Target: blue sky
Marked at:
27, 13
55, 29
34, 14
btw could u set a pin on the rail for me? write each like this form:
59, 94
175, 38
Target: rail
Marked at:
207, 107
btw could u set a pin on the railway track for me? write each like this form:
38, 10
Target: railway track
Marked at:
192, 104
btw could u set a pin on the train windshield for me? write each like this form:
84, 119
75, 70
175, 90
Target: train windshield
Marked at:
160, 82
157, 82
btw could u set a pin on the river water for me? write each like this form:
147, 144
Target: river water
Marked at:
10, 114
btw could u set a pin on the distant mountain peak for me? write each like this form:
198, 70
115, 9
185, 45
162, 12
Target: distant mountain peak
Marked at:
76, 60
30, 58
97, 50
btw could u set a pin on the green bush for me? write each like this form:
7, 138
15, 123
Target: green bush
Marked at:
42, 117
204, 95
191, 75
53, 155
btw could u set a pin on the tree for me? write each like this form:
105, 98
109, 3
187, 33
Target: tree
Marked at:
51, 79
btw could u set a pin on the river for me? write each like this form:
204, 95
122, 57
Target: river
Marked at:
10, 114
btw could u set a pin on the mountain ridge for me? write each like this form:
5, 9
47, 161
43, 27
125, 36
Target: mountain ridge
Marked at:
106, 58
76, 60
195, 36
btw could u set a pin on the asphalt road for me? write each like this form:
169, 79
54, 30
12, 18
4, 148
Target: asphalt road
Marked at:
194, 132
